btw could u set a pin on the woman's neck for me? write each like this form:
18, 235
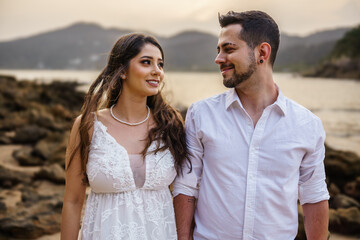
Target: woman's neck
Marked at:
130, 109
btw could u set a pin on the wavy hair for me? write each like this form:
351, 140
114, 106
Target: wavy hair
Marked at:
105, 91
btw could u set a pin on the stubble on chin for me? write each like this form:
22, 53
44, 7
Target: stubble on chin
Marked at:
237, 79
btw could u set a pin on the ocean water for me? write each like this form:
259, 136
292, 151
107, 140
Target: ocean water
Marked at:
335, 101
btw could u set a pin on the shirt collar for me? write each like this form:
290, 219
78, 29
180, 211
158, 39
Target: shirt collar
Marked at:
281, 101
231, 97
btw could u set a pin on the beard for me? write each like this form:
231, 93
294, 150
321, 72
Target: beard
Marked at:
240, 77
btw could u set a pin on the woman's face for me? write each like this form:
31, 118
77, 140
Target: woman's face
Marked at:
145, 72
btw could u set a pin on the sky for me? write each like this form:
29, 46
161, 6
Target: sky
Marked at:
23, 18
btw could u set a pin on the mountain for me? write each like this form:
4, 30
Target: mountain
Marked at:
80, 46
343, 60
87, 45
298, 53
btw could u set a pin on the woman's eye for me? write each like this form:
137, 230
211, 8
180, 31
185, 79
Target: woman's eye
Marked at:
146, 61
161, 64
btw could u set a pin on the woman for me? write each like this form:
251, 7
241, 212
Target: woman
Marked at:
129, 152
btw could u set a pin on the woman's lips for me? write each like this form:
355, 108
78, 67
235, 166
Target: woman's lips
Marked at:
153, 83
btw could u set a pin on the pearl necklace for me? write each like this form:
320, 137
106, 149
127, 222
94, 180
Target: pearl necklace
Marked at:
127, 123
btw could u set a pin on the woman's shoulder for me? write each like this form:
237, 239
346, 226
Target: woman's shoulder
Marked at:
102, 115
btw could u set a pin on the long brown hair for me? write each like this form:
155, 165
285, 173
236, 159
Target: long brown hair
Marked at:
105, 91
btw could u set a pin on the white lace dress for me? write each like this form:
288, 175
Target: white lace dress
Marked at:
116, 208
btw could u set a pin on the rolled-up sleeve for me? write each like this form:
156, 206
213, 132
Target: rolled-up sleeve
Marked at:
312, 185
189, 182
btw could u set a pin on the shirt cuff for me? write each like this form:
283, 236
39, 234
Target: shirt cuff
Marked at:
314, 190
186, 190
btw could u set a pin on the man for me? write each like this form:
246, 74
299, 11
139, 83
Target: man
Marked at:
254, 152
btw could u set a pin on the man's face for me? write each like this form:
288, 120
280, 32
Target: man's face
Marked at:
235, 58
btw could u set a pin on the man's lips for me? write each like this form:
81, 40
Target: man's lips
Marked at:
224, 68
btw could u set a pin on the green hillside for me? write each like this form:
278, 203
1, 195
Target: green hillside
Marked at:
349, 45
343, 60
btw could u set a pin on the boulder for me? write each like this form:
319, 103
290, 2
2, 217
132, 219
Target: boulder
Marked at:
25, 157
10, 178
52, 148
4, 139
29, 134
333, 190
353, 188
341, 166
58, 111
13, 121
53, 173
343, 201
38, 213
334, 221
350, 221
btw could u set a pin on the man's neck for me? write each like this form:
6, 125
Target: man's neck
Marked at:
256, 94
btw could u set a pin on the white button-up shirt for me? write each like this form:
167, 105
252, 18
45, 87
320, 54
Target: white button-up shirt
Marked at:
248, 179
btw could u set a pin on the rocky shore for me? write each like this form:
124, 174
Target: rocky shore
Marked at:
35, 120
344, 67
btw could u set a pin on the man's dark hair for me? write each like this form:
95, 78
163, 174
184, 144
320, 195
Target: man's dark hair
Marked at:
257, 27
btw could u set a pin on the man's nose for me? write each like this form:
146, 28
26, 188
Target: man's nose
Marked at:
220, 59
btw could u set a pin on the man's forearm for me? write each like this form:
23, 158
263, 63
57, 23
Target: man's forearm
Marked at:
184, 213
316, 220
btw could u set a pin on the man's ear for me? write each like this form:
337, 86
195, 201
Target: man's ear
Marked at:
263, 52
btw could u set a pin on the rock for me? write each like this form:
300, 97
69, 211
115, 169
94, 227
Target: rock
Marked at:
9, 178
343, 201
353, 188
10, 198
350, 220
25, 157
54, 173
5, 140
30, 227
29, 134
13, 121
38, 213
333, 190
344, 68
341, 166
40, 116
49, 190
64, 93
334, 221
58, 111
52, 148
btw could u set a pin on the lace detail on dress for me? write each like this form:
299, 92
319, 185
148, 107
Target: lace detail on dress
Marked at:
110, 160
115, 208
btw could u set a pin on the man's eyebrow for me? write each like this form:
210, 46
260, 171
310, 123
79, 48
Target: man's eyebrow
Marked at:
226, 44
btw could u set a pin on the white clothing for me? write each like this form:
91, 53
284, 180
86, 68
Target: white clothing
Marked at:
248, 179
138, 169
116, 208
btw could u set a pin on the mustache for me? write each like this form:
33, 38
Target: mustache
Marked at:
222, 66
